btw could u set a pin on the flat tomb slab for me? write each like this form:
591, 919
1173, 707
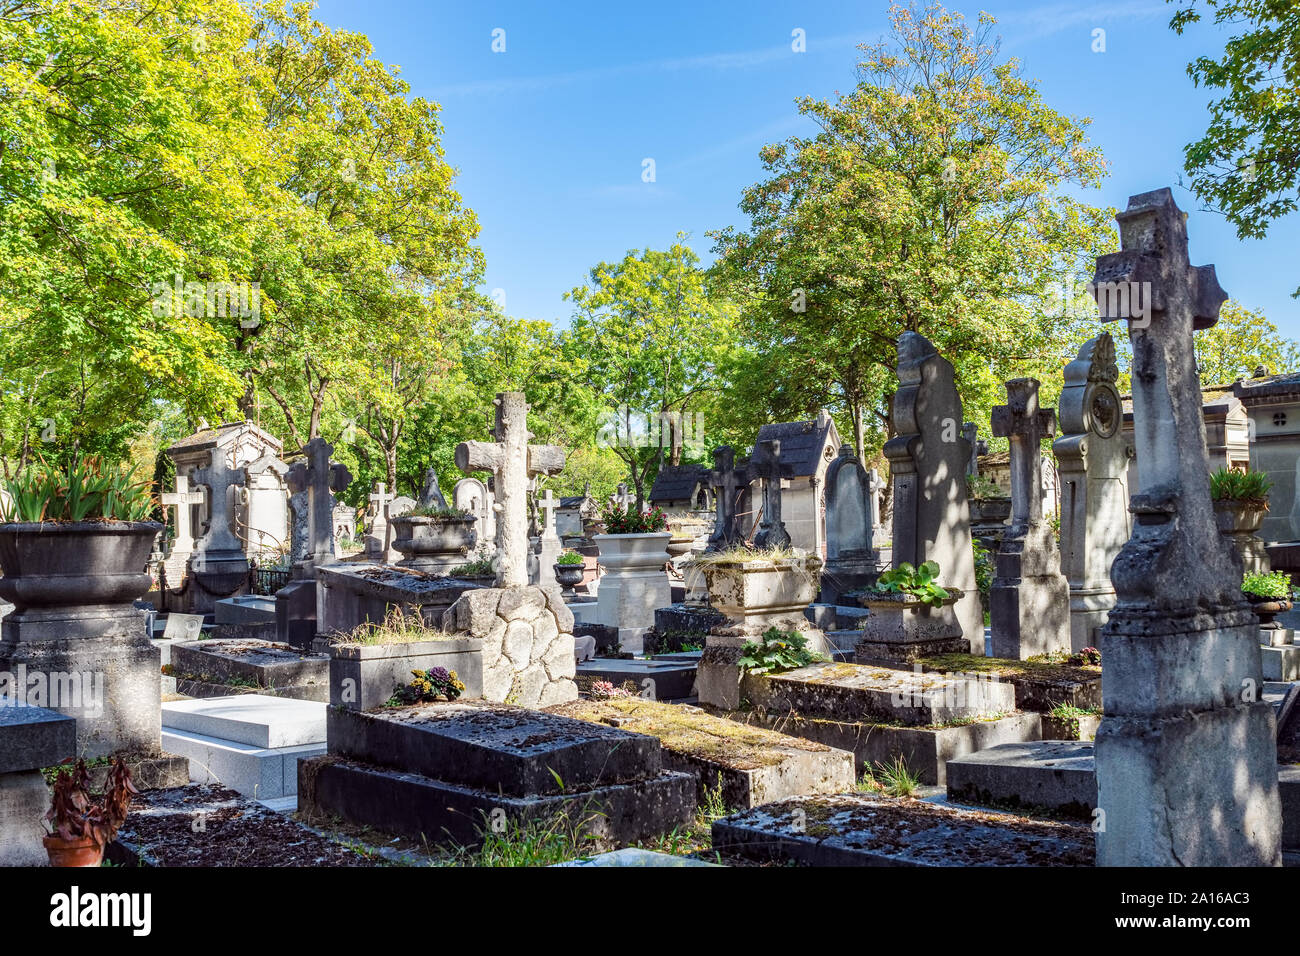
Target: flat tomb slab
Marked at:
417, 806
509, 750
864, 692
260, 773
160, 830
33, 737
251, 662
925, 750
633, 856
657, 679
1054, 775
1039, 685
255, 719
753, 764
871, 830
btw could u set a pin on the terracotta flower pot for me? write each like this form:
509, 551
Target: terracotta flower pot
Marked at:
84, 852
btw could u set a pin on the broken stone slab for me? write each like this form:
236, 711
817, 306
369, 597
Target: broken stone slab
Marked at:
653, 679
869, 830
855, 692
1053, 775
500, 747
751, 764
418, 806
924, 750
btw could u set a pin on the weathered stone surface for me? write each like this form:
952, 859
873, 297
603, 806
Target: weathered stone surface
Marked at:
1181, 646
474, 611
751, 764
928, 460
365, 676
1092, 458
521, 604
899, 629
33, 737
1040, 775
502, 748
852, 562
862, 830
265, 664
24, 799
653, 680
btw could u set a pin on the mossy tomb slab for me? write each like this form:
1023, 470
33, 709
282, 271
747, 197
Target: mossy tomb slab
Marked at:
1039, 685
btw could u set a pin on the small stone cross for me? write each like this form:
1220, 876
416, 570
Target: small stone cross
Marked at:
1025, 425
181, 499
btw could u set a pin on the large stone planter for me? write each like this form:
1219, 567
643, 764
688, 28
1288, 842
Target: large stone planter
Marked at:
1238, 521
363, 676
634, 584
74, 640
988, 520
569, 576
433, 543
901, 629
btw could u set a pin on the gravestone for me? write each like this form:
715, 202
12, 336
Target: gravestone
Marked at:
970, 432
1029, 601
731, 498
183, 502
319, 480
875, 495
1185, 754
262, 512
377, 536
1092, 456
430, 494
550, 544
851, 561
299, 535
472, 495
345, 526
218, 566
771, 529
512, 461
928, 458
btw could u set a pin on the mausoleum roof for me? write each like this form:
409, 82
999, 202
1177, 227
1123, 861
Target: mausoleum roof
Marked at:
223, 434
1268, 388
679, 483
803, 445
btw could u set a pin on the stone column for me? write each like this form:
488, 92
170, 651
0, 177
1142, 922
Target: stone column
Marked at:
1092, 456
1030, 598
1185, 755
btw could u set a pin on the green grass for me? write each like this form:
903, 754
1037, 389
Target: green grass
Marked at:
537, 843
893, 779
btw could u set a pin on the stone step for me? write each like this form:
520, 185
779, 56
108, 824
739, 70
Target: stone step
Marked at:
440, 812
1038, 686
752, 764
850, 618
254, 719
245, 609
655, 679
509, 750
871, 830
855, 692
845, 640
257, 772
1054, 775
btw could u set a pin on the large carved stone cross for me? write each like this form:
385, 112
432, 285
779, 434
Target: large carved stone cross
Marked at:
512, 462
727, 482
1025, 425
218, 477
321, 480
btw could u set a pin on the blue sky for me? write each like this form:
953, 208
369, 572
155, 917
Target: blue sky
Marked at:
550, 136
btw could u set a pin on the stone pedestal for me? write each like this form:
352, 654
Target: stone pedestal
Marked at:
295, 609
634, 586
30, 738
1030, 599
901, 630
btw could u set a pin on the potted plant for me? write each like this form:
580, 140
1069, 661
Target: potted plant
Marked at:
988, 504
569, 569
1269, 595
81, 822
1240, 501
74, 537
911, 617
433, 539
479, 571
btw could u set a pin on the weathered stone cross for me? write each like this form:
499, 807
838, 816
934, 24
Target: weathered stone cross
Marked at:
318, 478
547, 506
1025, 424
218, 477
377, 539
512, 462
181, 499
875, 488
727, 481
772, 532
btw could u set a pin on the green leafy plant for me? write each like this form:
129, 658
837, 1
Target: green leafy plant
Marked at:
893, 778
1276, 585
980, 488
620, 520
433, 511
85, 491
777, 651
918, 582
474, 569
1248, 487
570, 557
437, 683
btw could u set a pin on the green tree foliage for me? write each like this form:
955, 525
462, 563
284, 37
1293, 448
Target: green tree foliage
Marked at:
1247, 165
1239, 343
935, 198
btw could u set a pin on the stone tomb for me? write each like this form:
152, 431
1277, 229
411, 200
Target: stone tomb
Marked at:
446, 772
30, 738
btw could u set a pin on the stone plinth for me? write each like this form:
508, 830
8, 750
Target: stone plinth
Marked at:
1029, 601
635, 584
363, 676
30, 738
350, 595
901, 629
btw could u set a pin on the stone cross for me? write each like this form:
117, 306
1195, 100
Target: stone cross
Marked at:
512, 461
551, 546
377, 538
728, 483
1029, 600
1092, 455
928, 462
1185, 757
1025, 425
218, 477
181, 499
875, 490
623, 498
547, 506
771, 531
321, 480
